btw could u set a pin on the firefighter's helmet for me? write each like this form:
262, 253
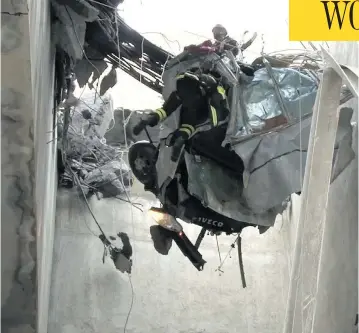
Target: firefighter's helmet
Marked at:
219, 32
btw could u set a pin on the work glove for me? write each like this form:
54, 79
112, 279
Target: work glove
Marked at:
148, 120
177, 148
247, 69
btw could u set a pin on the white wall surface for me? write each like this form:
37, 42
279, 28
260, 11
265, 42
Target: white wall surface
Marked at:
42, 70
332, 302
28, 165
171, 296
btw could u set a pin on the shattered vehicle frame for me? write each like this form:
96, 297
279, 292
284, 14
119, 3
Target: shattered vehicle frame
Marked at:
268, 129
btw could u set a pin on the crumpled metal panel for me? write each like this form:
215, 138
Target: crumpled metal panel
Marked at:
271, 93
275, 165
298, 91
220, 191
164, 166
275, 162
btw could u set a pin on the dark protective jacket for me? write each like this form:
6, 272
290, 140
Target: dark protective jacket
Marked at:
228, 44
200, 98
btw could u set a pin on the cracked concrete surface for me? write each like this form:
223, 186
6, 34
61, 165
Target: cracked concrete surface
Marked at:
14, 14
28, 164
17, 178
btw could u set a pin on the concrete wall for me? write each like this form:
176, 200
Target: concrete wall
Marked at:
28, 161
170, 295
337, 297
42, 68
333, 302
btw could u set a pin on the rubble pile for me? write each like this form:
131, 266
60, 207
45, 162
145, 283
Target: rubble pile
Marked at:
92, 41
89, 162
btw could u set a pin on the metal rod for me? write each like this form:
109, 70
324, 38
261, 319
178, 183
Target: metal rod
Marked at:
200, 238
240, 261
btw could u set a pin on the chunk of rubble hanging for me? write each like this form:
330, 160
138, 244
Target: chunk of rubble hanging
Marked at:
89, 161
90, 36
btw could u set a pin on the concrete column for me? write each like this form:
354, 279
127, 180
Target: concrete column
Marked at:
28, 165
323, 291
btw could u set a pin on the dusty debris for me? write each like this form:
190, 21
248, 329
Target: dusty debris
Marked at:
92, 113
89, 162
110, 179
90, 36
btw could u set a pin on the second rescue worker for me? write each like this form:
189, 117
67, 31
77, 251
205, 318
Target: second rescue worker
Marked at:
223, 42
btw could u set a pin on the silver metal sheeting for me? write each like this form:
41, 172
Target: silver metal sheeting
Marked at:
275, 165
274, 161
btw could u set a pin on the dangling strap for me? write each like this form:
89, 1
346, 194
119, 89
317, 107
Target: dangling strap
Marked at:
240, 261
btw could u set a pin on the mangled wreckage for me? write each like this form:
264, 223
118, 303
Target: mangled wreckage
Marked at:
267, 133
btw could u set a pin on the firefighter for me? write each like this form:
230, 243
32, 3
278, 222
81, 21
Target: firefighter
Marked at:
202, 104
223, 41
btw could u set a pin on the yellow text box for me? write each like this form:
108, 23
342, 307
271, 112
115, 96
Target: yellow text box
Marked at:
316, 20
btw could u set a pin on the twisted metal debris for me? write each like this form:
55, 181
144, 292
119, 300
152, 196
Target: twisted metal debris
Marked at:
88, 162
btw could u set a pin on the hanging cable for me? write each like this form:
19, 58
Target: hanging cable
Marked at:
121, 174
219, 252
131, 305
232, 246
